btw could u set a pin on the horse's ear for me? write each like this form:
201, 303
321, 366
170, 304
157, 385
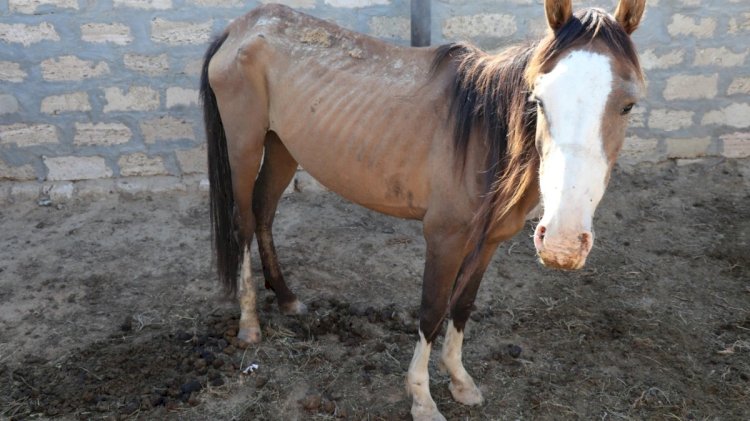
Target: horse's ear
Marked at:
558, 12
629, 14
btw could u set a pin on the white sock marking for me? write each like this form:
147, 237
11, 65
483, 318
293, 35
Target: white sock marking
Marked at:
418, 383
462, 385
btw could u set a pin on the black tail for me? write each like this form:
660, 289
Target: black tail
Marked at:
225, 241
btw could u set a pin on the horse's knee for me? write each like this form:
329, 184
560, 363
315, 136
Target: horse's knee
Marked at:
430, 321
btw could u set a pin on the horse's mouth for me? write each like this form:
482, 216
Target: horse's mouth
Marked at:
562, 262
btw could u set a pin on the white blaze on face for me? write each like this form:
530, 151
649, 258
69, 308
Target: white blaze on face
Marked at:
574, 166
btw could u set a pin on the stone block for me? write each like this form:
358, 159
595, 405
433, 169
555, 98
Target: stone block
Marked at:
691, 87
31, 6
483, 25
636, 149
670, 120
736, 145
70, 168
56, 104
8, 104
722, 57
26, 35
390, 27
650, 60
12, 72
735, 115
138, 98
144, 4
140, 165
218, 3
182, 97
25, 190
180, 33
166, 128
740, 85
115, 33
694, 147
71, 68
18, 173
23, 135
149, 65
193, 161
682, 25
94, 189
193, 67
304, 182
637, 117
149, 185
101, 134
739, 23
59, 192
350, 4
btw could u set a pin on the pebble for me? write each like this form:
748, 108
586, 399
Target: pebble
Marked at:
328, 406
514, 350
191, 386
311, 402
181, 335
261, 381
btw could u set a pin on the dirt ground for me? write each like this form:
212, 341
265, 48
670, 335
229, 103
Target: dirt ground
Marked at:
110, 310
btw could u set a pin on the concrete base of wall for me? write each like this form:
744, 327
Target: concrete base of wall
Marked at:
51, 193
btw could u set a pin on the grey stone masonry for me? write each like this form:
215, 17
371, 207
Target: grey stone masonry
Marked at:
95, 89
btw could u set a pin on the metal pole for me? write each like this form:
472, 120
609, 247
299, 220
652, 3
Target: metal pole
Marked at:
420, 23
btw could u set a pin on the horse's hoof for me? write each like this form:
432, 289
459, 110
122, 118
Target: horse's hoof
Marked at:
467, 394
295, 308
422, 413
249, 335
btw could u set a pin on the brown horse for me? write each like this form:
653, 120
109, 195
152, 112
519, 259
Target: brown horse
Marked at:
465, 141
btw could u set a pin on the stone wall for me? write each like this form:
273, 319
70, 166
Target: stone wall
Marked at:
93, 89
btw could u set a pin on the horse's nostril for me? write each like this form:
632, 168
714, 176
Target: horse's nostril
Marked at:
585, 239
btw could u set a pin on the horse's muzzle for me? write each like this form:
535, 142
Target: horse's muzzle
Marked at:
567, 252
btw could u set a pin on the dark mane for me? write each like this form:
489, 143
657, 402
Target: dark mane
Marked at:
489, 101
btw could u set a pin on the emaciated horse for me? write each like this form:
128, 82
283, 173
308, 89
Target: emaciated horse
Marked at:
464, 141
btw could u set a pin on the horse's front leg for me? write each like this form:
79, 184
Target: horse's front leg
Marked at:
462, 386
444, 256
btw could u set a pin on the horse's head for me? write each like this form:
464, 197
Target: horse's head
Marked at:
585, 79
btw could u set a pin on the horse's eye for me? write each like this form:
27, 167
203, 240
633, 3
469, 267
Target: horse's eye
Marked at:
627, 109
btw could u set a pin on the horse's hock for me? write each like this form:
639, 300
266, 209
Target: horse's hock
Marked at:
118, 99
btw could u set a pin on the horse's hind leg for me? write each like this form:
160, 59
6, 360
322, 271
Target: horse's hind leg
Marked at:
277, 171
245, 137
462, 386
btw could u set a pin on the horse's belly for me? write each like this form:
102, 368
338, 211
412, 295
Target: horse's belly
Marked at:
381, 181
